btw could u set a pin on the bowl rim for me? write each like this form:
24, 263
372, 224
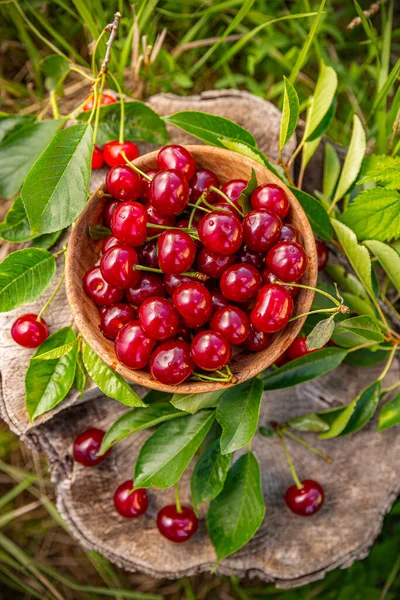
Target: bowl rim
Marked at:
90, 331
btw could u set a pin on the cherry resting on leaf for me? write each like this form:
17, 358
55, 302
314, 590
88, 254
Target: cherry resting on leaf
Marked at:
87, 445
177, 526
306, 501
28, 332
128, 504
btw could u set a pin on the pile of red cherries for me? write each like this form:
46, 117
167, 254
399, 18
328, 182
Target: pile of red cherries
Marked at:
185, 275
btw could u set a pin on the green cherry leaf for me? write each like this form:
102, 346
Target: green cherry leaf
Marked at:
55, 69
47, 240
290, 113
316, 214
99, 232
309, 422
323, 98
374, 214
364, 410
244, 198
209, 475
331, 170
11, 123
356, 331
192, 403
389, 260
80, 374
57, 352
389, 415
16, 227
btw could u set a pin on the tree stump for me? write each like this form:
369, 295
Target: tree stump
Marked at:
361, 483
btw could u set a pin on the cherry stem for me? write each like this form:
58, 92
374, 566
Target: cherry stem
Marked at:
389, 363
225, 197
299, 440
135, 168
199, 201
314, 312
391, 388
53, 295
296, 479
122, 105
201, 377
98, 106
307, 287
194, 274
177, 498
199, 207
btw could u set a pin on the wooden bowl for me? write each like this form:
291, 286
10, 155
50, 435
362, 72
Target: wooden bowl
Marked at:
83, 253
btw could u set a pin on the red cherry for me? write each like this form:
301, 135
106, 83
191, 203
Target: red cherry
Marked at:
269, 277
233, 189
118, 267
193, 302
128, 223
178, 158
108, 243
149, 285
124, 183
28, 332
133, 347
225, 207
171, 362
171, 282
177, 526
210, 350
261, 229
146, 183
221, 232
232, 323
114, 317
113, 152
158, 318
176, 251
256, 340
240, 283
109, 210
200, 182
154, 216
97, 158
87, 445
212, 264
273, 309
298, 348
148, 254
323, 255
128, 504
169, 192
282, 359
307, 501
287, 260
218, 301
289, 234
105, 100
245, 255
98, 290
272, 197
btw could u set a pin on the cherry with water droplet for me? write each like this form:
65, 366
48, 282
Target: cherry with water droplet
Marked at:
287, 260
240, 283
221, 232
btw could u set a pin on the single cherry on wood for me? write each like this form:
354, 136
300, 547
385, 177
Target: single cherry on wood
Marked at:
177, 526
87, 445
306, 501
128, 504
29, 332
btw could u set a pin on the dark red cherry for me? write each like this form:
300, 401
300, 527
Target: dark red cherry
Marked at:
298, 348
148, 254
261, 229
176, 251
221, 232
269, 277
177, 526
212, 264
171, 282
124, 183
323, 255
114, 317
113, 152
210, 350
256, 340
233, 189
272, 310
149, 285
169, 192
171, 362
128, 504
272, 197
232, 323
287, 260
98, 290
200, 182
97, 158
307, 501
218, 301
225, 207
282, 359
87, 445
193, 302
146, 183
117, 267
108, 243
178, 158
158, 318
28, 332
154, 216
128, 223
133, 347
245, 255
105, 100
240, 283
109, 210
289, 234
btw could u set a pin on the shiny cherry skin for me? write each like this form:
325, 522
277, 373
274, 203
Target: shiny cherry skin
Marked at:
193, 302
212, 264
221, 232
158, 318
210, 350
28, 332
146, 183
289, 234
154, 216
176, 251
117, 266
287, 260
109, 242
218, 300
256, 340
225, 207
171, 282
113, 152
298, 348
109, 210
169, 192
171, 363
128, 504
149, 285
200, 182
133, 347
272, 197
105, 100
323, 255
307, 501
177, 158
269, 277
124, 183
231, 322
98, 290
114, 317
97, 158
240, 283
233, 189
177, 526
261, 229
87, 445
273, 309
245, 255
148, 254
129, 222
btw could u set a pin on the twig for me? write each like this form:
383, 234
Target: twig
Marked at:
369, 12
113, 27
205, 42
